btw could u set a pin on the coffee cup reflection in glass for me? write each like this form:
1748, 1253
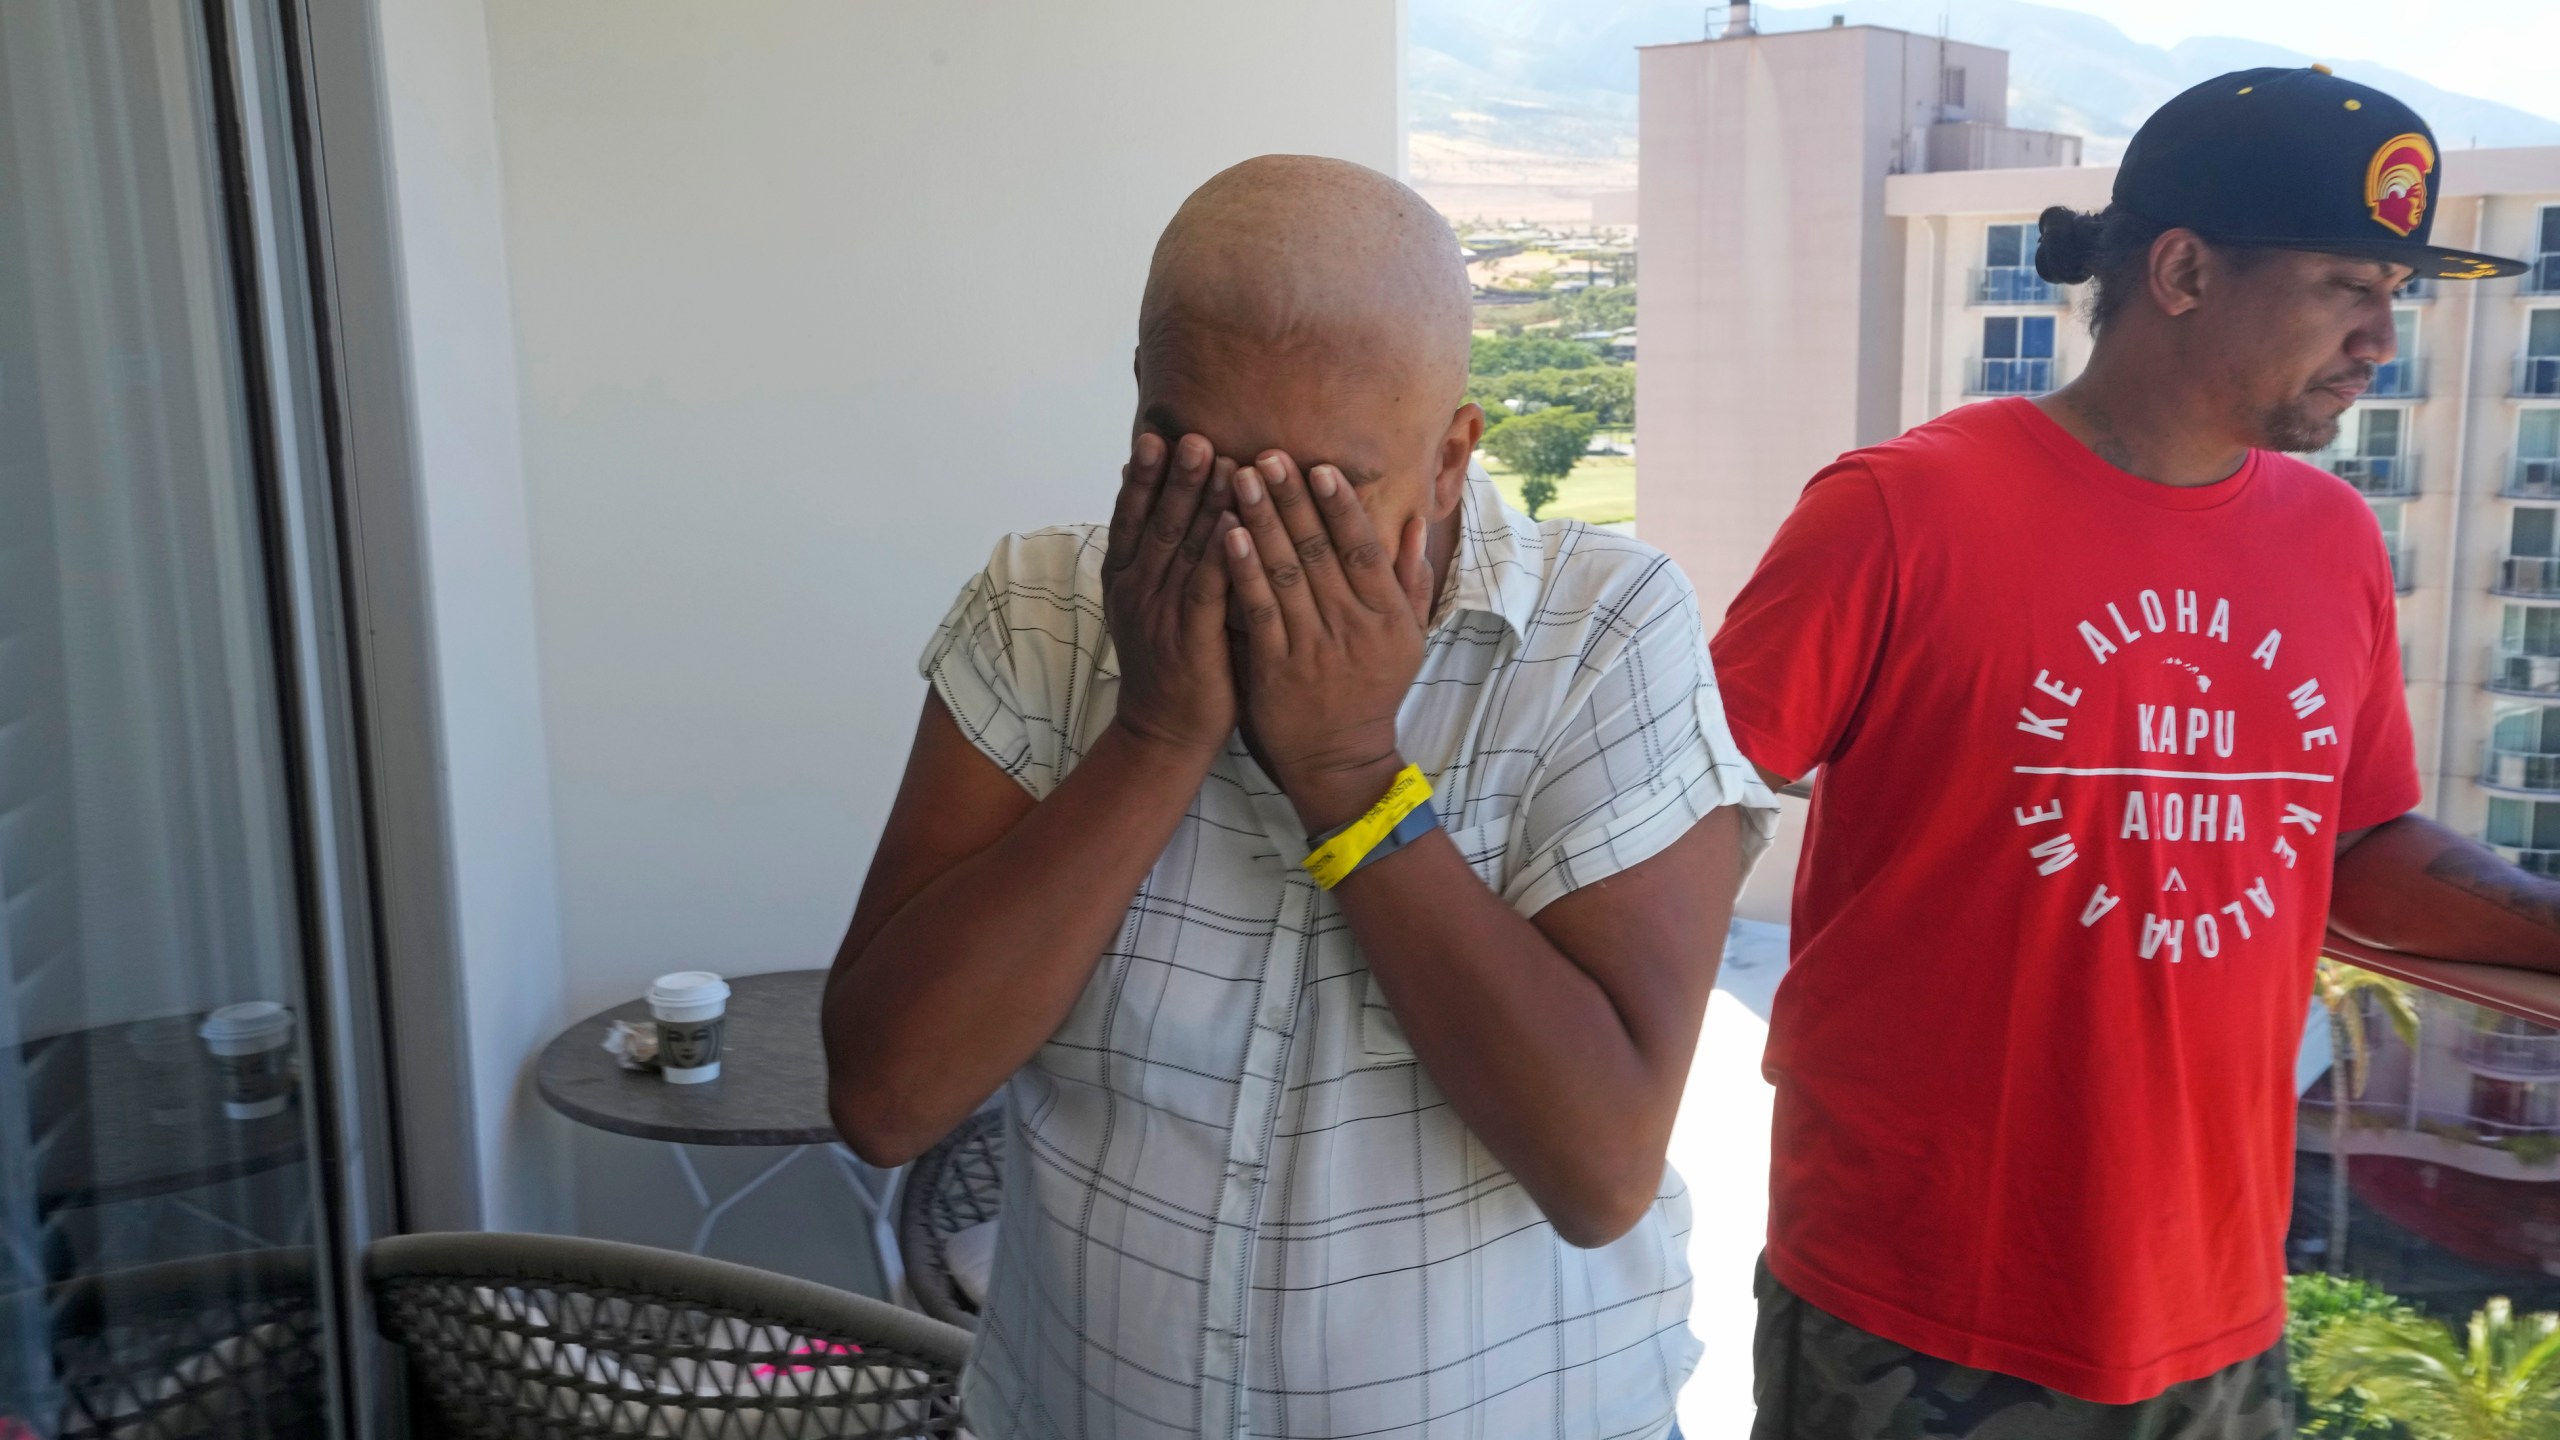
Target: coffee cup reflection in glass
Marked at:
171, 1069
692, 1010
252, 1045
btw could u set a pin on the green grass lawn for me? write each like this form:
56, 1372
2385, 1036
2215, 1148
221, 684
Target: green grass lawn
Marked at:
1602, 489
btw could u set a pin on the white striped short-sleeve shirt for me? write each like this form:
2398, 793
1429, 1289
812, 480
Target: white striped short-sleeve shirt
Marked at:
1234, 1205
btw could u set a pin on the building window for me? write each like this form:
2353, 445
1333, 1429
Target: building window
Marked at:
2526, 827
1951, 89
2530, 533
2544, 277
2009, 269
2371, 452
2377, 431
2530, 568
2402, 378
2527, 661
2017, 355
2530, 630
2012, 246
2390, 513
2536, 474
2538, 372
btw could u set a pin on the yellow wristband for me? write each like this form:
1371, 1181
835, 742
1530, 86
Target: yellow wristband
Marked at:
1334, 860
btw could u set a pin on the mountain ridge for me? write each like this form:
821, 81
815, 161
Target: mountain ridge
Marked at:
1540, 95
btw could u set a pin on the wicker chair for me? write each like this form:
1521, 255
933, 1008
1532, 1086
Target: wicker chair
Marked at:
216, 1345
949, 1188
543, 1337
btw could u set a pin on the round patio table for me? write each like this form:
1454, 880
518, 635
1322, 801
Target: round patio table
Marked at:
124, 1129
772, 1091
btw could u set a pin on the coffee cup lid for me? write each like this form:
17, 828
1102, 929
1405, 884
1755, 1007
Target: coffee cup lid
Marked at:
248, 1020
688, 987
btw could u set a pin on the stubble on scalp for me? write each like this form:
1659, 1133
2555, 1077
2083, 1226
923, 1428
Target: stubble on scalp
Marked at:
1298, 259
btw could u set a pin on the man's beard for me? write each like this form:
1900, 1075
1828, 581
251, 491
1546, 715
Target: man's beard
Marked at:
2295, 430
2296, 427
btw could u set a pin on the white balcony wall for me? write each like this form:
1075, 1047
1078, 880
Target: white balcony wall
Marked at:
810, 300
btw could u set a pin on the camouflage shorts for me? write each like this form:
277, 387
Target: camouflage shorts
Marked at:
1818, 1377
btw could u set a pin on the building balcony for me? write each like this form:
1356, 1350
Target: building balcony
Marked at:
2015, 285
2507, 1055
2402, 379
2537, 378
2416, 290
2381, 477
2542, 277
2531, 861
2513, 672
2404, 566
2533, 477
2533, 771
2531, 577
2009, 377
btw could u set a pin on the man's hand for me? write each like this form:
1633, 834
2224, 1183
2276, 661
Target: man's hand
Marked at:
1333, 634
1166, 609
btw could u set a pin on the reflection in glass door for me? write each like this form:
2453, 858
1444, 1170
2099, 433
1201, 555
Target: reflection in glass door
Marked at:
172, 1229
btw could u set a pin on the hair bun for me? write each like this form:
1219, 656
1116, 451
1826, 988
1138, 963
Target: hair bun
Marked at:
2066, 244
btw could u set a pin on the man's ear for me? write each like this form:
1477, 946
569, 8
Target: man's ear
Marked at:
1457, 447
2179, 260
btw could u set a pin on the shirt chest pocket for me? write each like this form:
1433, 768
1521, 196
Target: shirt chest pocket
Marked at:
1487, 850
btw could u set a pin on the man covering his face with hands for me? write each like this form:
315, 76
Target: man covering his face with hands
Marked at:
1333, 864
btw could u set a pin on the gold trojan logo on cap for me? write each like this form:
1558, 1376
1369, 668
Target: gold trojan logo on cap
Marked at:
2395, 184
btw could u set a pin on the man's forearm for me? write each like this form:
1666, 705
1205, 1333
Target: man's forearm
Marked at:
2415, 886
1572, 1096
968, 978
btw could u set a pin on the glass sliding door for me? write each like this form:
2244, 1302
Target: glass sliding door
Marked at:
179, 895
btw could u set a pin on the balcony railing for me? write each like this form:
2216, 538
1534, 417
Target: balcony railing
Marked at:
2532, 576
2526, 994
2385, 477
2509, 1056
2010, 377
2459, 1126
2404, 566
2514, 672
2417, 289
2531, 861
2537, 378
2533, 477
2533, 770
2402, 379
2015, 285
2542, 277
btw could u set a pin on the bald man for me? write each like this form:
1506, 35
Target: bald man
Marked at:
1332, 865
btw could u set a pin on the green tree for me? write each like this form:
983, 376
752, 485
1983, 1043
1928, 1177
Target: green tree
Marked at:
1542, 448
1511, 353
2342, 988
1606, 392
1601, 308
2313, 1303
2500, 1382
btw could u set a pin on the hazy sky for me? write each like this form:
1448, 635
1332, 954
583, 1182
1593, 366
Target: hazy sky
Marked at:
2504, 50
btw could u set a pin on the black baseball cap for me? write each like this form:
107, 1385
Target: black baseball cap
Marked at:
2297, 159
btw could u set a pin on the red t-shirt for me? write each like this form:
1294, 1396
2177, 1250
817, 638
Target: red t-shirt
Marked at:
2086, 744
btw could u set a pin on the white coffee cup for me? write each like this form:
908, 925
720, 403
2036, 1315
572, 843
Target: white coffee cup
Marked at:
692, 1011
252, 1043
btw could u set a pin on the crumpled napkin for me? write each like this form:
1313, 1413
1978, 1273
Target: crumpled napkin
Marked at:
634, 1043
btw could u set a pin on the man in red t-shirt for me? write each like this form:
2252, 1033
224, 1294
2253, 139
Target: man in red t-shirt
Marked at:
2102, 689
